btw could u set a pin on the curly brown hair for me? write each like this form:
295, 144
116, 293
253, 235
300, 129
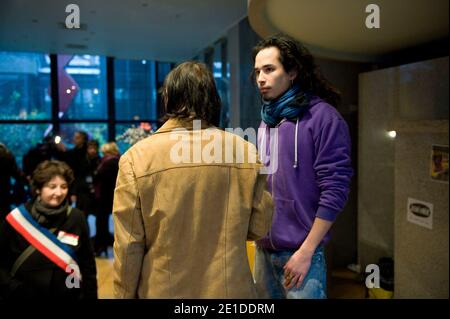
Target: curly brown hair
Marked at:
47, 170
294, 55
189, 91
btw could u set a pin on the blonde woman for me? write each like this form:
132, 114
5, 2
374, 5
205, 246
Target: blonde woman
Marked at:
105, 181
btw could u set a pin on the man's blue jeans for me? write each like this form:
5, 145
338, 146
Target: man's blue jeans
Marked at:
269, 275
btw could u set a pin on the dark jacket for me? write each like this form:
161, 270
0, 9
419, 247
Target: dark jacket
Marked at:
77, 159
105, 182
38, 277
8, 169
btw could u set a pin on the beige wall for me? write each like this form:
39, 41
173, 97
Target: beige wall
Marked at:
377, 104
413, 100
421, 254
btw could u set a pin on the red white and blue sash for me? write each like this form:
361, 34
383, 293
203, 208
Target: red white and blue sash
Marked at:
43, 240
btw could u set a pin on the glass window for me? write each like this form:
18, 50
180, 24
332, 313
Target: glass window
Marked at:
82, 87
25, 86
163, 69
82, 83
221, 76
135, 89
20, 138
208, 57
129, 134
96, 131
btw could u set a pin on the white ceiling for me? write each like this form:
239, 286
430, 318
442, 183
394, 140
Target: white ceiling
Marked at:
165, 30
336, 28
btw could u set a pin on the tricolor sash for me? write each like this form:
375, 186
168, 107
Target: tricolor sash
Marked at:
43, 240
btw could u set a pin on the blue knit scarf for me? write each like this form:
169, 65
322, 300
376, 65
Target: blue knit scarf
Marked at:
291, 105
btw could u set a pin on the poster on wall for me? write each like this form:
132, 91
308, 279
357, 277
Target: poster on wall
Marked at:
420, 213
439, 163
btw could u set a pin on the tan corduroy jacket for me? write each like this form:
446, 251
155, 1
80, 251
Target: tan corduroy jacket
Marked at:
181, 220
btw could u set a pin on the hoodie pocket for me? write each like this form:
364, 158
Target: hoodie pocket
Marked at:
287, 229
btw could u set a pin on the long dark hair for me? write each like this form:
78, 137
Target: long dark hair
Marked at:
189, 91
293, 55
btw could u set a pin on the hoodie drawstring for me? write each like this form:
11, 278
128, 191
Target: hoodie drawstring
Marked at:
262, 156
296, 145
263, 146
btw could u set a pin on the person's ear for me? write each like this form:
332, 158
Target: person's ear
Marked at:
292, 74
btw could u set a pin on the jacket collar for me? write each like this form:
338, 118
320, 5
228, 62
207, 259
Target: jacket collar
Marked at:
179, 123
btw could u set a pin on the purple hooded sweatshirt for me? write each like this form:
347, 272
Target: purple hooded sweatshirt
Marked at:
313, 175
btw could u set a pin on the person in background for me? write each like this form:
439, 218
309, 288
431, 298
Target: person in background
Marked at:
45, 245
44, 151
94, 160
8, 170
312, 181
104, 183
93, 155
77, 159
180, 228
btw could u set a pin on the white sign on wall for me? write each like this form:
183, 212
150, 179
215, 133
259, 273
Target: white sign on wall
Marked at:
420, 213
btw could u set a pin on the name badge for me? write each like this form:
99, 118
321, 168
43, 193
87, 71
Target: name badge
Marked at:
69, 239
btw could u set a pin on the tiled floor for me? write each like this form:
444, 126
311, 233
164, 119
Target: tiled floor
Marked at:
104, 264
105, 276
